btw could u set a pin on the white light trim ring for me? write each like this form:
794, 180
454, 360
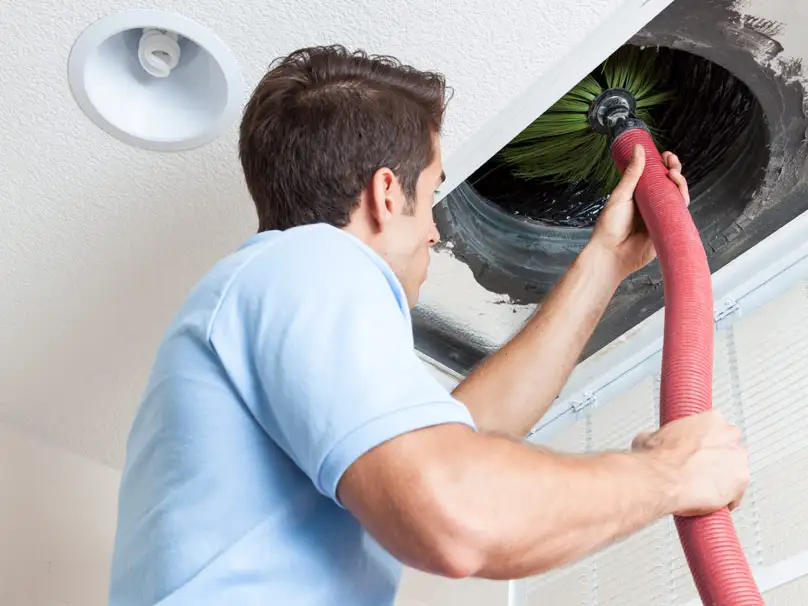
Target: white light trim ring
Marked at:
229, 85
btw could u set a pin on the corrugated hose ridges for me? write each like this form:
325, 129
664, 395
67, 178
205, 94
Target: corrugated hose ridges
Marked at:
714, 554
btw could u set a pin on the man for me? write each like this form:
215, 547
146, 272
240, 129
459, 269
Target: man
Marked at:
291, 448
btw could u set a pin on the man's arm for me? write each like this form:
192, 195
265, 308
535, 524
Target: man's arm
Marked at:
512, 389
456, 503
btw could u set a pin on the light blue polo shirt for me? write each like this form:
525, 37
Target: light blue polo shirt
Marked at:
290, 359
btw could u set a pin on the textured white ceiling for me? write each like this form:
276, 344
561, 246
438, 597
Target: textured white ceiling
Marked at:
99, 242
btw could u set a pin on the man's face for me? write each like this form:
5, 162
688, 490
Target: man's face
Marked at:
414, 231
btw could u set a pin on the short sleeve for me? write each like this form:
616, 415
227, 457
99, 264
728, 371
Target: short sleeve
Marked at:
329, 340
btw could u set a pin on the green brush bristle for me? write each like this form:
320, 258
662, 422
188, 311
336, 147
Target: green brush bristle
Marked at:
561, 147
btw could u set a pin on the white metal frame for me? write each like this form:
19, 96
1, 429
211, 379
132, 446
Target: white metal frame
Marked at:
451, 375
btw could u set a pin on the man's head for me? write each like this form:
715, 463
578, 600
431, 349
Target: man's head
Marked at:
350, 140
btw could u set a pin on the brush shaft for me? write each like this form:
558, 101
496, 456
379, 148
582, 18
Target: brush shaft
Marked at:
714, 554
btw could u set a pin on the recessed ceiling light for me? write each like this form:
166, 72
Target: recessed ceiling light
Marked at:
155, 80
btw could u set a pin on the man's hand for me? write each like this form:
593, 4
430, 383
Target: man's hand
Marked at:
620, 229
705, 455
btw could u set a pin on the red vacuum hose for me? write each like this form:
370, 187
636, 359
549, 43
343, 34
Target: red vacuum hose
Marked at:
714, 554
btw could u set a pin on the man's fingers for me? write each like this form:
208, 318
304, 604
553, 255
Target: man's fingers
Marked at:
674, 166
737, 502
631, 176
679, 179
671, 160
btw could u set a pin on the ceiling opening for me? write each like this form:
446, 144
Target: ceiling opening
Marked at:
709, 138
738, 125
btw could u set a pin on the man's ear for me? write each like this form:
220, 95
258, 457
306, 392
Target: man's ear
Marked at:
382, 198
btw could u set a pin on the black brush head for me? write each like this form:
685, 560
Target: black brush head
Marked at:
614, 111
570, 142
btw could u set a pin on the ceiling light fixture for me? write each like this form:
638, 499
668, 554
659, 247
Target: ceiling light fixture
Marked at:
155, 80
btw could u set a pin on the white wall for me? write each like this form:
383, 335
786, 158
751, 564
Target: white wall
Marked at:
57, 523
420, 589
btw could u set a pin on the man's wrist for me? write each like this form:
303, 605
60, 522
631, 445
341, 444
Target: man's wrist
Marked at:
602, 264
664, 477
645, 480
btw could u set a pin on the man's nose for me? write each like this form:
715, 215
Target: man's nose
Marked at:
434, 236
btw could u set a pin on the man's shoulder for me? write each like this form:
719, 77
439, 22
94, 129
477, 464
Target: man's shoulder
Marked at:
314, 263
309, 257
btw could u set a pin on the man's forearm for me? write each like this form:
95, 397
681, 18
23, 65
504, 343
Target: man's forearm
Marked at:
454, 502
540, 510
513, 388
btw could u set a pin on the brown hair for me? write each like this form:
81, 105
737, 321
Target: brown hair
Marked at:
323, 120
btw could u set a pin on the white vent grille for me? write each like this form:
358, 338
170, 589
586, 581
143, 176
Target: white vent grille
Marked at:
760, 384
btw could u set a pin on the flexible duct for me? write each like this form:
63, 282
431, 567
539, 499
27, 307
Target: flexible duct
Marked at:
717, 562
